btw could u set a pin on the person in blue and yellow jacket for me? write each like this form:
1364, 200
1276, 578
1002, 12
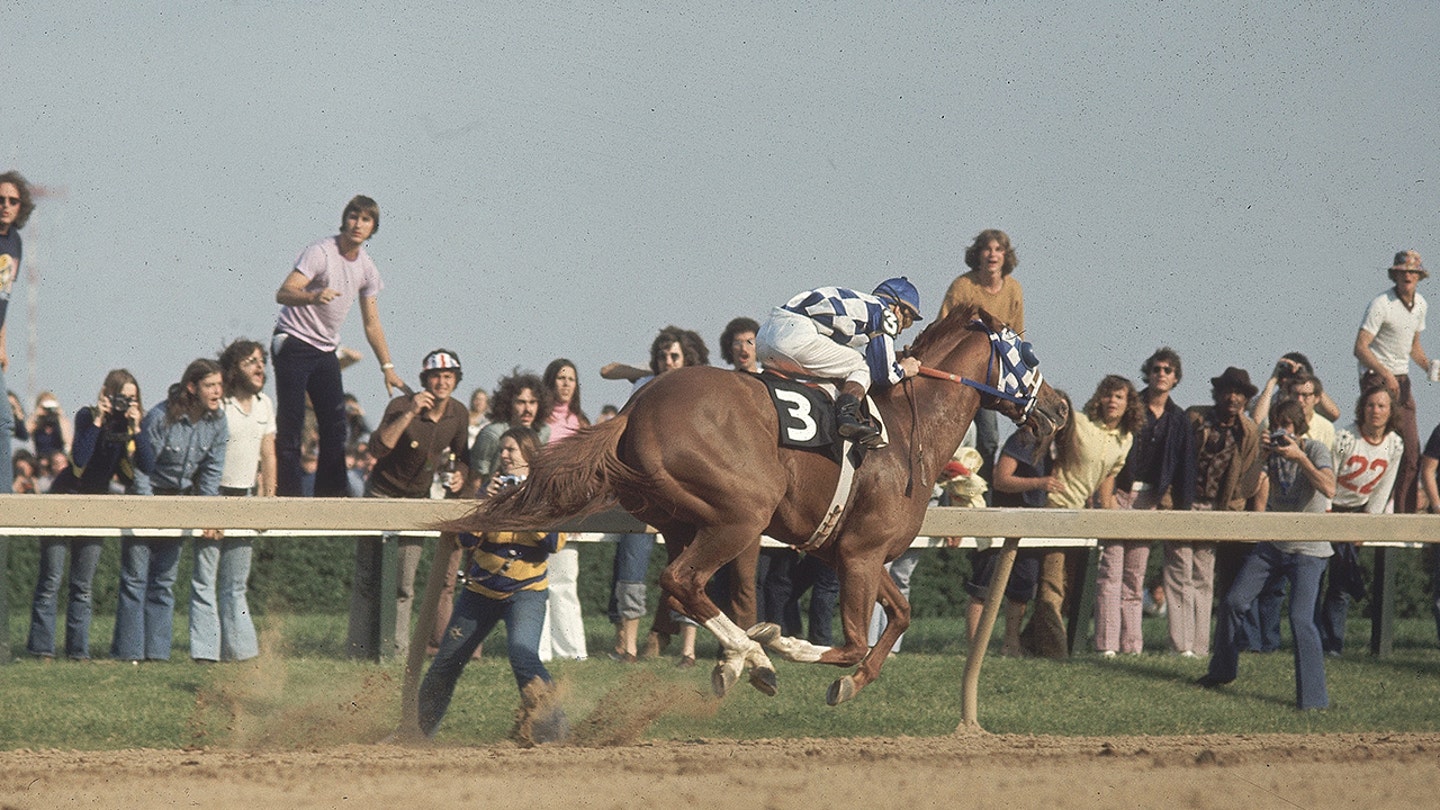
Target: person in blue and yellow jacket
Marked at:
505, 580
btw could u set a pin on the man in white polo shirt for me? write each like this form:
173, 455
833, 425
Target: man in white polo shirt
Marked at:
1388, 340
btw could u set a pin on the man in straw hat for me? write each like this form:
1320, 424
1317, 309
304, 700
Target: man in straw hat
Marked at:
1389, 338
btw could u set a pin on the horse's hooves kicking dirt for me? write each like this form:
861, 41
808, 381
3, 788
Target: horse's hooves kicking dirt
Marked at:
841, 691
722, 678
764, 680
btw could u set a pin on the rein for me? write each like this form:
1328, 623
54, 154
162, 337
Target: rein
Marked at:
1019, 379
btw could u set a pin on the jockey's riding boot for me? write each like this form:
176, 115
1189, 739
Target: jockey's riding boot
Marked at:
850, 424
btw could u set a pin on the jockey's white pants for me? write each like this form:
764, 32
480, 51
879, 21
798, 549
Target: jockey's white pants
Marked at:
792, 343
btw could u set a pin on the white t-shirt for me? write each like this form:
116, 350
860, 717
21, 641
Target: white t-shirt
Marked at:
242, 453
1394, 328
1365, 472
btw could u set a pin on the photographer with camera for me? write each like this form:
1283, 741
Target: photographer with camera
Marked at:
49, 429
102, 462
1290, 371
420, 452
506, 579
1302, 479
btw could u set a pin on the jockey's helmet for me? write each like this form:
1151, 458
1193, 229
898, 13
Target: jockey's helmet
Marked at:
902, 292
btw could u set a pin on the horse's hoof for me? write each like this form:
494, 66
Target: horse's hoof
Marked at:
722, 678
841, 691
764, 632
763, 678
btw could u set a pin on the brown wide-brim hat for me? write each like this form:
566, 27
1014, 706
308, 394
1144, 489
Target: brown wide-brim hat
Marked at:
1408, 260
1234, 379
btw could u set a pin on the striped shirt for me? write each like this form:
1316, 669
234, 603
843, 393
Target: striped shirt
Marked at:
502, 563
857, 320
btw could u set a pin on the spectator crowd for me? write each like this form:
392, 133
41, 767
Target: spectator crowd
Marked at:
1281, 445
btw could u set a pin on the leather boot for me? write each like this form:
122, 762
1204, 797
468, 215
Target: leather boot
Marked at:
850, 424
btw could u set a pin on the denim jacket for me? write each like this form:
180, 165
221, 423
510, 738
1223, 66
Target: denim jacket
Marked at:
181, 455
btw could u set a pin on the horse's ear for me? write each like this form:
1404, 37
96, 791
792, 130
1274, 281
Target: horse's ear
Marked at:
989, 320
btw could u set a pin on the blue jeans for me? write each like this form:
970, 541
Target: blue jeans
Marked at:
804, 574
220, 625
302, 369
7, 433
146, 611
474, 617
84, 553
1265, 566
1259, 631
627, 581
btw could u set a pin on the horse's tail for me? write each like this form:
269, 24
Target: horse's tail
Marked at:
571, 478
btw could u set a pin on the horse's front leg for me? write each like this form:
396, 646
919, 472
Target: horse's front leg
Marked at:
897, 615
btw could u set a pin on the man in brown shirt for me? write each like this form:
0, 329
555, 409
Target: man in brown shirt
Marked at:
1227, 444
419, 435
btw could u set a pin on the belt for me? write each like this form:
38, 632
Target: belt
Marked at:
237, 492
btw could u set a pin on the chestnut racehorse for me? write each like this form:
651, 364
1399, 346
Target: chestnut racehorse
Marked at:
695, 453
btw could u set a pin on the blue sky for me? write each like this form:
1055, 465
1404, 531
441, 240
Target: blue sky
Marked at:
1226, 178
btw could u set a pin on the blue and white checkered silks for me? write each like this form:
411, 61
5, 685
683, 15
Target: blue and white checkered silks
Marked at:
1019, 377
858, 321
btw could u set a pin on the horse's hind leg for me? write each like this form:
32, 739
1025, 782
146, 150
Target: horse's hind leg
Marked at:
684, 582
897, 614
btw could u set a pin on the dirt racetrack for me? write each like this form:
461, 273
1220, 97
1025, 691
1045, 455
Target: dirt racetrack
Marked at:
1260, 771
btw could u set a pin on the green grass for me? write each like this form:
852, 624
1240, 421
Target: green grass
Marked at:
301, 694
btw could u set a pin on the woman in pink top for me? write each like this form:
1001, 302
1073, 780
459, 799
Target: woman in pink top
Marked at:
564, 634
564, 385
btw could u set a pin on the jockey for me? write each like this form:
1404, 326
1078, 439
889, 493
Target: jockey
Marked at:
841, 334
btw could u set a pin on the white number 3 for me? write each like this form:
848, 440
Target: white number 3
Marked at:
800, 425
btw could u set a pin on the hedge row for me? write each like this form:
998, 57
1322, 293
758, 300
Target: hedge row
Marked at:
312, 575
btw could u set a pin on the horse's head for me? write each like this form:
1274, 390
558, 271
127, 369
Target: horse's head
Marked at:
1011, 382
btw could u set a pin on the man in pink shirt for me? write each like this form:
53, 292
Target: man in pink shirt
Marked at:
327, 279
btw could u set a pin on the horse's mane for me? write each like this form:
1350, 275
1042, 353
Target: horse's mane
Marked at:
940, 336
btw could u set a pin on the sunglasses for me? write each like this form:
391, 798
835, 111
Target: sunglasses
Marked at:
1162, 370
10, 201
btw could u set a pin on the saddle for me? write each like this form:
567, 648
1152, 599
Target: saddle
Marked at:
806, 410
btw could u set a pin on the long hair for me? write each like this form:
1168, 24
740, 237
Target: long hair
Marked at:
502, 403
1134, 417
230, 359
692, 347
552, 372
181, 400
527, 440
983, 240
115, 382
1392, 425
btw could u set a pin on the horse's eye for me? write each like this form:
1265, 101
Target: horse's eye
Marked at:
1027, 353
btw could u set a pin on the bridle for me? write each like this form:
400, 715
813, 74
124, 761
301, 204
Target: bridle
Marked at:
1018, 378
1018, 381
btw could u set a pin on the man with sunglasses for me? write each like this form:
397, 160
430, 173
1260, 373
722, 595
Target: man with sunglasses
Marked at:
16, 203
1159, 473
1389, 338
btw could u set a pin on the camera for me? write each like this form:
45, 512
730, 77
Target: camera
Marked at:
1280, 438
507, 480
119, 403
